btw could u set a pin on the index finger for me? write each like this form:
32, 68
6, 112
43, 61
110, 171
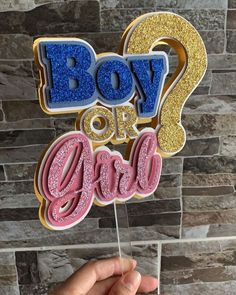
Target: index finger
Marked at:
84, 279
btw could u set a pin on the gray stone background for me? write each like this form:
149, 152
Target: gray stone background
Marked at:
186, 232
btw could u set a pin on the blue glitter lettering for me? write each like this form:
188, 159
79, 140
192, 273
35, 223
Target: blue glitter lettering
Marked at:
70, 80
114, 80
150, 73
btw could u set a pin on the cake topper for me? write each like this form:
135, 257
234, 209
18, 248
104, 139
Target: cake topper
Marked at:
118, 98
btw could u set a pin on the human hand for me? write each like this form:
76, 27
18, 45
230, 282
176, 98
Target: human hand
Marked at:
104, 277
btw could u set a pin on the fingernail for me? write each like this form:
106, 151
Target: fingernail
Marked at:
127, 264
132, 280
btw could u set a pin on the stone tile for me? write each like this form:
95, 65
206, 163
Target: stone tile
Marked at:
27, 267
214, 41
201, 90
16, 82
53, 18
199, 288
210, 104
143, 200
210, 217
21, 187
2, 174
7, 269
208, 179
17, 46
103, 41
31, 233
231, 4
26, 137
119, 19
40, 2
204, 19
209, 203
209, 230
19, 201
164, 219
27, 124
201, 261
29, 110
20, 155
20, 171
206, 80
221, 62
190, 248
197, 267
207, 191
137, 209
231, 43
172, 166
8, 274
154, 232
191, 4
169, 187
231, 20
12, 5
227, 245
111, 4
167, 193
7, 258
222, 274
216, 164
63, 125
222, 83
208, 125
56, 266
9, 290
170, 180
39, 289
221, 230
118, 147
153, 207
18, 214
200, 147
196, 232
100, 41
228, 144
1, 116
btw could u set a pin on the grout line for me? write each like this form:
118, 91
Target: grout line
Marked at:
5, 174
114, 244
181, 201
159, 249
225, 29
16, 270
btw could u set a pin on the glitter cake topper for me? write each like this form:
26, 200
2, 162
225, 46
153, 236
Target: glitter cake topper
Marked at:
114, 96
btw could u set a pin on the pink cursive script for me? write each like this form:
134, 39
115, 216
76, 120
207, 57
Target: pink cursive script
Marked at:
71, 175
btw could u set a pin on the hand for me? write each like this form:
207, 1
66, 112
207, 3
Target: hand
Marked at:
104, 277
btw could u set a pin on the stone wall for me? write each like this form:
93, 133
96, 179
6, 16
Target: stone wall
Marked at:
196, 198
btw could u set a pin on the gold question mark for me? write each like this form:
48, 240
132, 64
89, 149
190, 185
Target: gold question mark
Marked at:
153, 29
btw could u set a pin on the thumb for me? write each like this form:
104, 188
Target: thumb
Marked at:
127, 285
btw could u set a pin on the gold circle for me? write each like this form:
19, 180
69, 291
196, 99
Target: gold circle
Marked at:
106, 116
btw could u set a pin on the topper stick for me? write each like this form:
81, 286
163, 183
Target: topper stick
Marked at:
127, 243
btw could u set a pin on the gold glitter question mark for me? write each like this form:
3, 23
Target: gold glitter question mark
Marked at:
141, 37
